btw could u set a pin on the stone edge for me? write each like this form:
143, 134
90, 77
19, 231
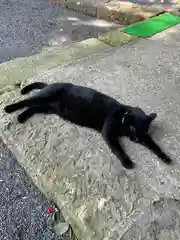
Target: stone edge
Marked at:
113, 11
15, 71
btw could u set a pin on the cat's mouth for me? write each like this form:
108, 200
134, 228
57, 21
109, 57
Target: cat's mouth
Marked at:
133, 129
135, 139
136, 136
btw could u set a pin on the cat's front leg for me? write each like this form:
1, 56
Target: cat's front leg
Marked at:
120, 153
151, 145
113, 143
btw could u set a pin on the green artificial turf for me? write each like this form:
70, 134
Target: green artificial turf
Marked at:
152, 25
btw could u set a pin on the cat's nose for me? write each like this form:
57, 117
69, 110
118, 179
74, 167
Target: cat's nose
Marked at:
136, 139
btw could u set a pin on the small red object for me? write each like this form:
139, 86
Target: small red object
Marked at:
167, 10
142, 18
51, 210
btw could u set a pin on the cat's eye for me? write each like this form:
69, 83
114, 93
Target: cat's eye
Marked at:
133, 129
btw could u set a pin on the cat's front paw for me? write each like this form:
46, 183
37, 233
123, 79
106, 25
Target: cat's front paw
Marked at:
128, 164
9, 109
21, 119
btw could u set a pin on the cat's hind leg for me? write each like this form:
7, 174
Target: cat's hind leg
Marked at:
28, 113
32, 101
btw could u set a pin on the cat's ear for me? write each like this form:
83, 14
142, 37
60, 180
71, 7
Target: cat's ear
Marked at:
152, 116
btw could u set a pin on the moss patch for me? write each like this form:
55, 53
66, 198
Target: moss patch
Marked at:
116, 37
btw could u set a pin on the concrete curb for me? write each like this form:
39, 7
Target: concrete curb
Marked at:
20, 69
17, 70
121, 12
13, 72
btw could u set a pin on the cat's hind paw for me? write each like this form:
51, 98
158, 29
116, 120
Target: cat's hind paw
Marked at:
129, 164
21, 119
167, 160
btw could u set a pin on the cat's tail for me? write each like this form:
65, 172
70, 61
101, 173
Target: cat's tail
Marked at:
30, 87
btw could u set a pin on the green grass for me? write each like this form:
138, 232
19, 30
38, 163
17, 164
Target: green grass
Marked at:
153, 25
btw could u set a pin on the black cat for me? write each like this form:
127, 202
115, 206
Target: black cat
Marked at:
90, 108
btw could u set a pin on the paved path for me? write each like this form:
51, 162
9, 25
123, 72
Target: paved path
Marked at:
28, 25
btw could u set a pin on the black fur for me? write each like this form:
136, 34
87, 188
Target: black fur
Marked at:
90, 108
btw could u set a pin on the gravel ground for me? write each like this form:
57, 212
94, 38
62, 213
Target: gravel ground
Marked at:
23, 209
28, 25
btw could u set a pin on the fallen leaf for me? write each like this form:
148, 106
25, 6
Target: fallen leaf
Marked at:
60, 228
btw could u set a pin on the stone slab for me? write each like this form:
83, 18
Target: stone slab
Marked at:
120, 12
125, 13
176, 12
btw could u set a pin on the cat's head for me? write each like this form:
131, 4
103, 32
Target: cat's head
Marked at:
139, 123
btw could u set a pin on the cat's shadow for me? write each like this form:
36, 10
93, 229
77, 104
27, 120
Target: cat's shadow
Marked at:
157, 130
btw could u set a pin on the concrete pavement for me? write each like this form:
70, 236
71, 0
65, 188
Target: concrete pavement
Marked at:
73, 165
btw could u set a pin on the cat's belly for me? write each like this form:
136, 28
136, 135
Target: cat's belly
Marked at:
83, 119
